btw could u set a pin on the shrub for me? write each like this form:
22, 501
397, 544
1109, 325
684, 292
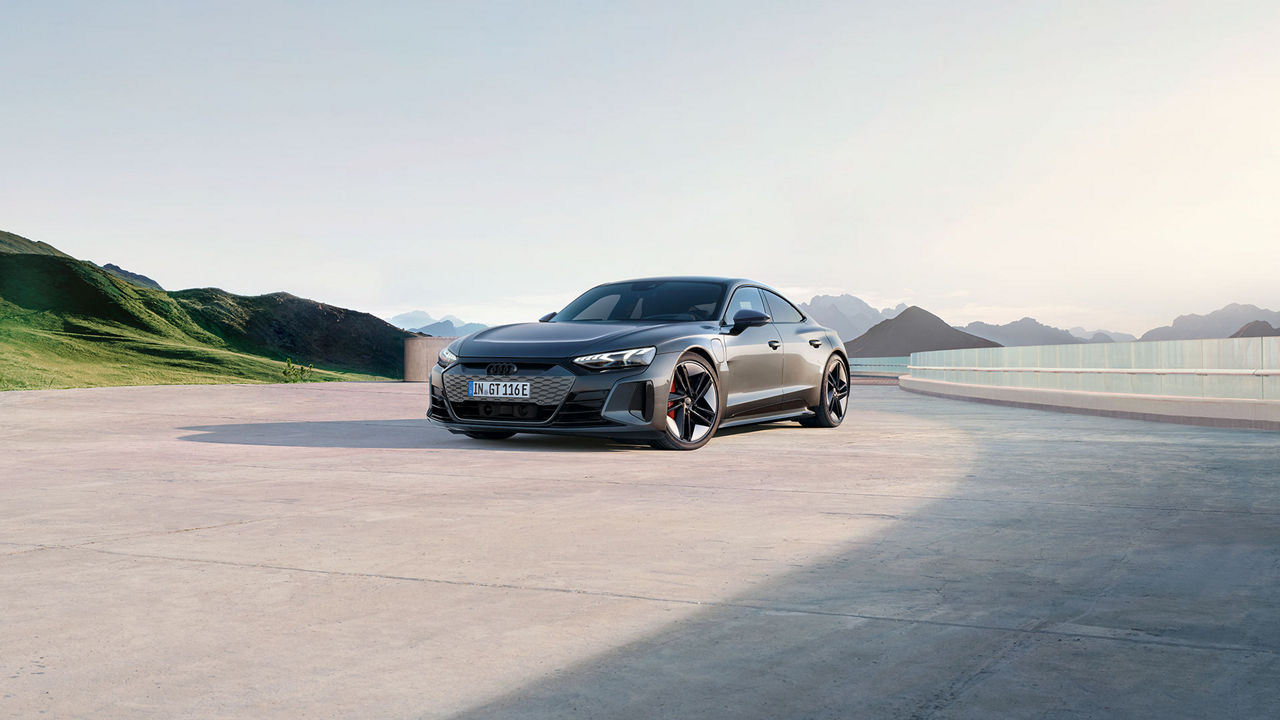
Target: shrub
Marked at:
297, 373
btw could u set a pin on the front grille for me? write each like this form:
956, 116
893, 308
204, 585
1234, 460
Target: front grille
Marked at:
582, 409
550, 401
543, 389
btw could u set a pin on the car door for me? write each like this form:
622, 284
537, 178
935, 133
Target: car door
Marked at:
805, 348
753, 377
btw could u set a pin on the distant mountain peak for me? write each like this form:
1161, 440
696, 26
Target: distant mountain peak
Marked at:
912, 330
1257, 328
411, 319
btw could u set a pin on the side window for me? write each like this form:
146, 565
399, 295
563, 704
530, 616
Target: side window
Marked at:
781, 310
747, 298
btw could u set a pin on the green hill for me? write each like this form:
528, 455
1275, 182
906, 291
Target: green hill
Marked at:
69, 323
282, 325
10, 243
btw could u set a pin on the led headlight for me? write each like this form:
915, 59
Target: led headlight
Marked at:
637, 357
446, 358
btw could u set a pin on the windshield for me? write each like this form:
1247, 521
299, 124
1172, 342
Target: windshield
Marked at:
664, 300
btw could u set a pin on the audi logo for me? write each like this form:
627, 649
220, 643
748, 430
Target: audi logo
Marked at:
500, 369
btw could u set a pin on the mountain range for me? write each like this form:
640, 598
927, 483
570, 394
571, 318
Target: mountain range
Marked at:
1101, 335
851, 317
1217, 324
70, 323
420, 321
1026, 331
916, 330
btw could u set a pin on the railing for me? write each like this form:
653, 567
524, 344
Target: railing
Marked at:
879, 366
1238, 368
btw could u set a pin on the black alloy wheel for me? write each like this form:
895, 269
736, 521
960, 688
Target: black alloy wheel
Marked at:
834, 396
693, 405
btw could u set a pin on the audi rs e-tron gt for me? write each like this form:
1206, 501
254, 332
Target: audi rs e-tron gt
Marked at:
664, 360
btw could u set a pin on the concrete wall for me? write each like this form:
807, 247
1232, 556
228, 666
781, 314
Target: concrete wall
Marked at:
420, 354
1232, 382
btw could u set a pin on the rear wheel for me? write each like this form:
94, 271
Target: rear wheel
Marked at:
693, 405
834, 401
489, 434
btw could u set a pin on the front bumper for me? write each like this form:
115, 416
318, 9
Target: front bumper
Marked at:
567, 400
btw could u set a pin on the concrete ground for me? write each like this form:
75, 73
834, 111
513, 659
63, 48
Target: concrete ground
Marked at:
319, 551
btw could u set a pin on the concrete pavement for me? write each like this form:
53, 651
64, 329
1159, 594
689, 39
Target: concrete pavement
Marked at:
319, 551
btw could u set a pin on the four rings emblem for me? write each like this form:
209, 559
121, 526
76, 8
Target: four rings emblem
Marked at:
500, 368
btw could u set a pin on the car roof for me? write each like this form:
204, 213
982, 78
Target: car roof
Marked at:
728, 281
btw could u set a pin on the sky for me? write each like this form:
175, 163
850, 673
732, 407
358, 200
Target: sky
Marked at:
1105, 164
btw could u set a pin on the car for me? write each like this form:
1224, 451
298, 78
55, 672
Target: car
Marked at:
667, 360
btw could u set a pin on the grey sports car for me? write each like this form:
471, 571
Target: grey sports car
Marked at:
667, 361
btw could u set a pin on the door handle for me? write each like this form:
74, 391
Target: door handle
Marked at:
815, 343
774, 344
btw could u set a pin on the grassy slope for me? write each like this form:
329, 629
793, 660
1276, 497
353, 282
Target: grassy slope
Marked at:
10, 243
281, 325
67, 323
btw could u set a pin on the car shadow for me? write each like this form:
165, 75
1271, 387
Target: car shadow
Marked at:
754, 428
408, 434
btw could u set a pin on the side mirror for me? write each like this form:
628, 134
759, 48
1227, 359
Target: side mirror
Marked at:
547, 317
744, 319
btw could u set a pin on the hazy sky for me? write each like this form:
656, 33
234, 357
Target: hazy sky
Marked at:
1107, 164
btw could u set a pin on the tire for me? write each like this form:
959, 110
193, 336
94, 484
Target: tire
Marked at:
694, 405
834, 396
489, 434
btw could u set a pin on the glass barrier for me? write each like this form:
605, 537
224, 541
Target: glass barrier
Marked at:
879, 366
1247, 368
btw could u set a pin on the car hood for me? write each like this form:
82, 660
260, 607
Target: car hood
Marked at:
569, 339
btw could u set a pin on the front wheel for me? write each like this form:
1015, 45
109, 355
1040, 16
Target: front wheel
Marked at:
834, 398
693, 405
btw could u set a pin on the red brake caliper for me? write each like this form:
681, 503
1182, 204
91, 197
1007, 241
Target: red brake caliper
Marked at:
671, 404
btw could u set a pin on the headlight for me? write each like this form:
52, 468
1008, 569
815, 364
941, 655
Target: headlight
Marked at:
446, 358
638, 357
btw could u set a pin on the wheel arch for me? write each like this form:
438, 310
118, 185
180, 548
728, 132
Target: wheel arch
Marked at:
705, 354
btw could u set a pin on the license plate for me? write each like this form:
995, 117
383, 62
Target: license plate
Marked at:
494, 389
